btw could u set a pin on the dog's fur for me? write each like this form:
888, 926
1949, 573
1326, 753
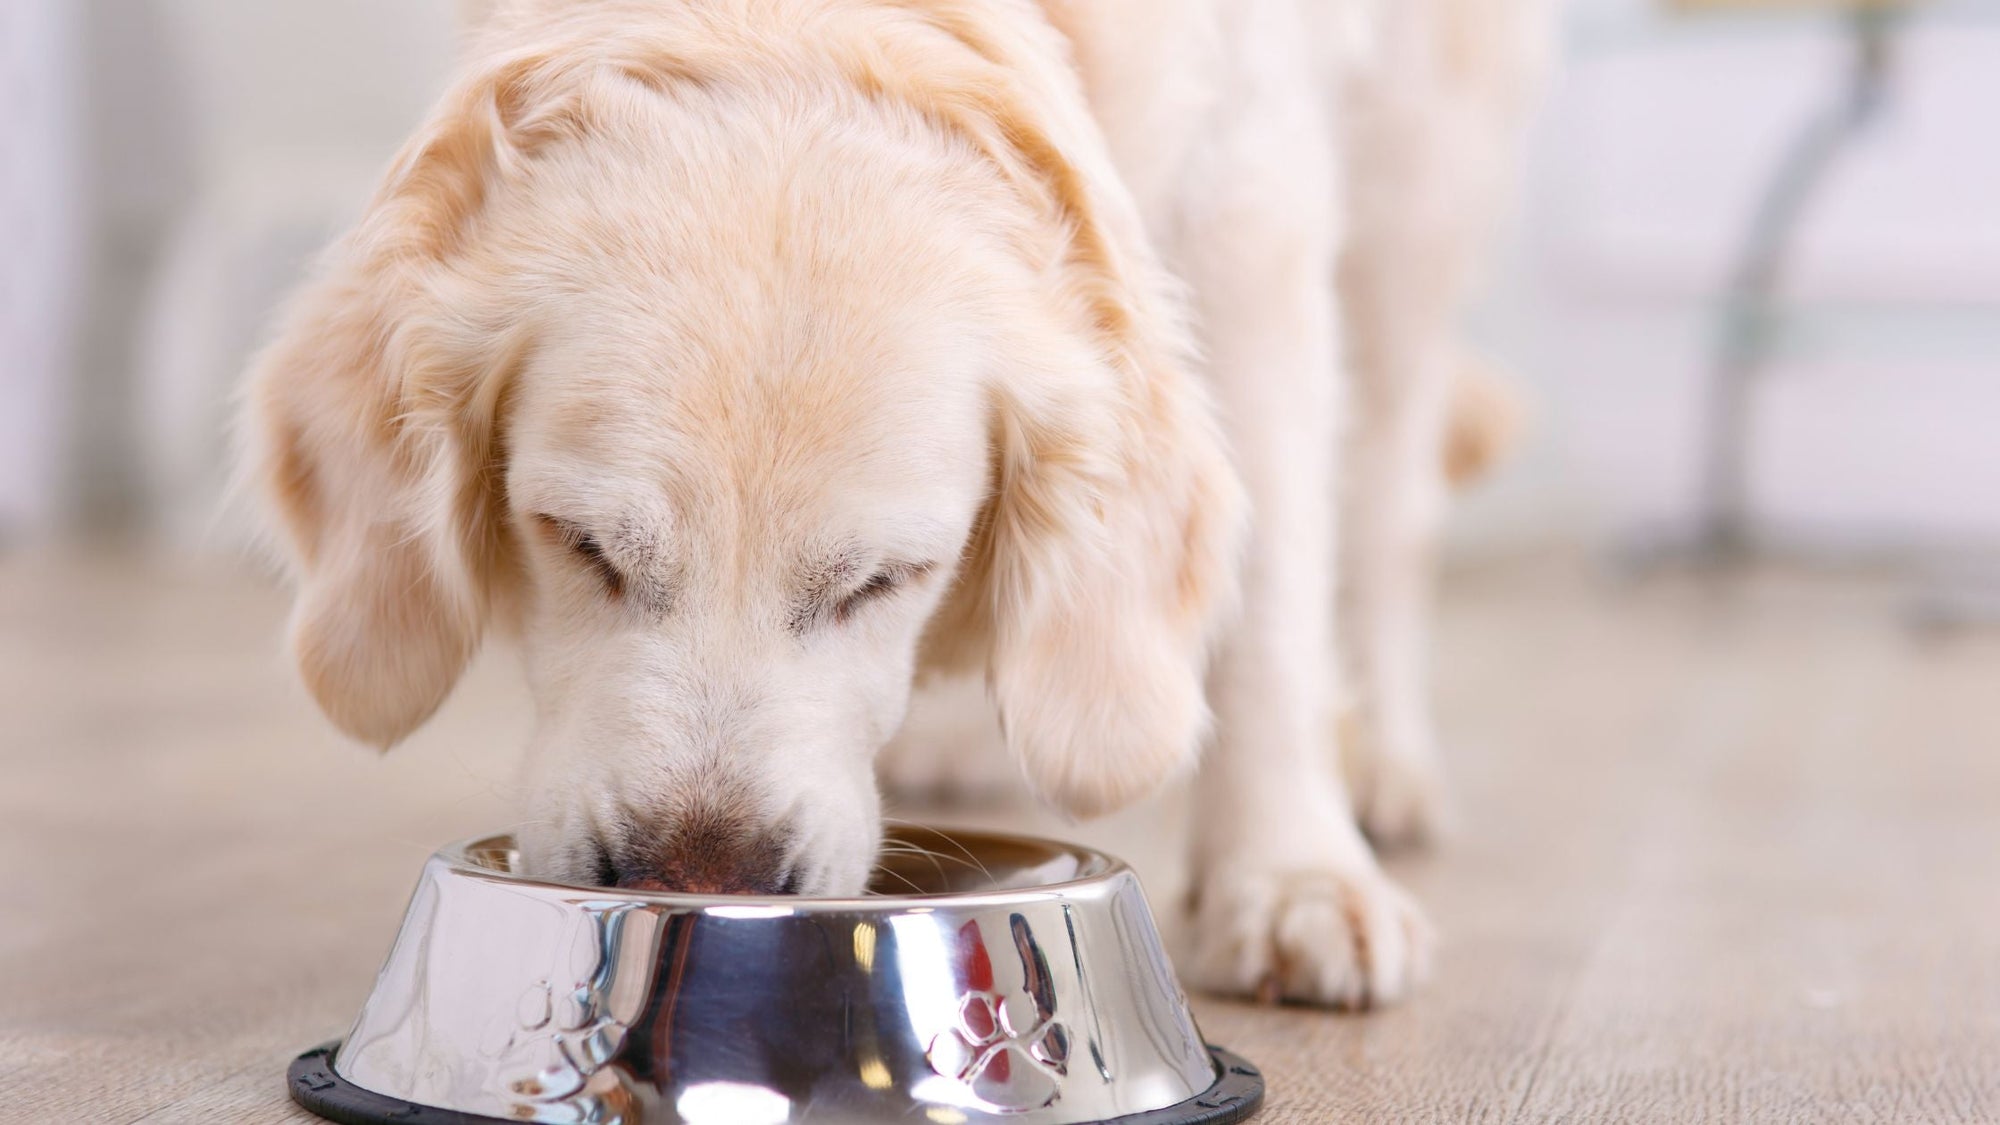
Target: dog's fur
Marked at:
747, 357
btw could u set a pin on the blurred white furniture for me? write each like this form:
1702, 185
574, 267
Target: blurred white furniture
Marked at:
1873, 432
1752, 314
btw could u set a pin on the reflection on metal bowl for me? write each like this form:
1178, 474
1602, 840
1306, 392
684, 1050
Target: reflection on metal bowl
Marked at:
1017, 980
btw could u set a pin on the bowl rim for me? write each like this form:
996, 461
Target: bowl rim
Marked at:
1109, 870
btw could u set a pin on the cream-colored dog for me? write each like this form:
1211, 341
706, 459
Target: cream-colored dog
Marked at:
745, 357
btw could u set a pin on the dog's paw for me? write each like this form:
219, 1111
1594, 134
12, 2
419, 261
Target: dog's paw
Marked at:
1344, 937
1399, 793
1400, 800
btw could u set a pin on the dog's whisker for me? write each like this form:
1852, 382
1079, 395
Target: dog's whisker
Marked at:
964, 858
970, 860
881, 869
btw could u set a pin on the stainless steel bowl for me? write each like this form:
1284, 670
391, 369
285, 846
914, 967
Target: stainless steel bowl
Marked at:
1018, 980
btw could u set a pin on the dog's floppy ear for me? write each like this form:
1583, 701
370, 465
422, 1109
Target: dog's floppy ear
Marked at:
369, 428
1107, 553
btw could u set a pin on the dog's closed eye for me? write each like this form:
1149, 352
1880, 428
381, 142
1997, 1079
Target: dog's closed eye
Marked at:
879, 585
588, 550
831, 600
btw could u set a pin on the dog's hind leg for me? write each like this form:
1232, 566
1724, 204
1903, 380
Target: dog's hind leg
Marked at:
1390, 517
1429, 127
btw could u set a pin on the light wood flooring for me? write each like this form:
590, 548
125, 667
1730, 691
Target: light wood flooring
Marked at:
1723, 857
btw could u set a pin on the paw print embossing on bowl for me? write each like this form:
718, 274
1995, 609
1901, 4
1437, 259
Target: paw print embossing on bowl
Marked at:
565, 1033
1009, 1049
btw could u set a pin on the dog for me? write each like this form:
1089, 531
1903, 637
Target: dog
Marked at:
750, 360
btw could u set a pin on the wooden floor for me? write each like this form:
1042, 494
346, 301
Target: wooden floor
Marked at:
1726, 857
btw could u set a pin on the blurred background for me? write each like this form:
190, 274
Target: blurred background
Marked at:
170, 163
1716, 664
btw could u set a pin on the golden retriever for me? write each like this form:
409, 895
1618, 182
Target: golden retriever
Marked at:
745, 358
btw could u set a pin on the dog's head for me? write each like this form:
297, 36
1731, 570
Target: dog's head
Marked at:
738, 401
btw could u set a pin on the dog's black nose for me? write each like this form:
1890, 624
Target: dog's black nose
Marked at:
704, 855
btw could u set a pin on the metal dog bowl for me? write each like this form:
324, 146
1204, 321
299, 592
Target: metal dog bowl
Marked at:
1021, 981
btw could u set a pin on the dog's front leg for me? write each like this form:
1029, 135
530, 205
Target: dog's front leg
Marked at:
1288, 901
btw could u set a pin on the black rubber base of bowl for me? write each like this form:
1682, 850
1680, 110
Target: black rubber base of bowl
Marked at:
313, 1084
